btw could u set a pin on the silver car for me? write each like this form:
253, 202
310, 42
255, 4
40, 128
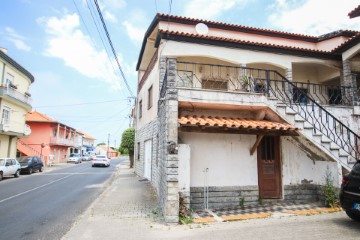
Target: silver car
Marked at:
9, 167
74, 158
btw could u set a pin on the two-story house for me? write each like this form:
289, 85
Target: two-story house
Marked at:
227, 113
15, 103
50, 139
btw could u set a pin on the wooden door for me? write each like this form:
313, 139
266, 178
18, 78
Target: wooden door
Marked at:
269, 174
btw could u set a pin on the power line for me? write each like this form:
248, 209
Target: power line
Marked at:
79, 104
156, 6
112, 48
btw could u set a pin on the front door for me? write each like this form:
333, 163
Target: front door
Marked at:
147, 159
269, 174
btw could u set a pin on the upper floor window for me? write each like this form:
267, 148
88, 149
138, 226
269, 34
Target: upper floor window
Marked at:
140, 108
150, 97
10, 81
5, 115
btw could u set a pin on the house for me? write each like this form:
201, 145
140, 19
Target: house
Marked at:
229, 114
105, 150
88, 143
15, 103
51, 140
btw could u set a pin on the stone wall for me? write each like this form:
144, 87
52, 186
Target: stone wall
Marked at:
219, 197
302, 193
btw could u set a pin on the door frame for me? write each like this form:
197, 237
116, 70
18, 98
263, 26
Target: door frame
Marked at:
278, 176
148, 159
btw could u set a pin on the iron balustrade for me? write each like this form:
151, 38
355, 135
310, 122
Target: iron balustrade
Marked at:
304, 99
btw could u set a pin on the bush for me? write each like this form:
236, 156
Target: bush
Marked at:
329, 192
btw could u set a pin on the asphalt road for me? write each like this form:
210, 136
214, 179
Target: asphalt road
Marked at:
45, 205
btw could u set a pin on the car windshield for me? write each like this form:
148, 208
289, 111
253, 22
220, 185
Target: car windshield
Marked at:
74, 155
100, 156
24, 159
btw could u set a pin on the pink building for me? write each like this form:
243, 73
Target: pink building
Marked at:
50, 139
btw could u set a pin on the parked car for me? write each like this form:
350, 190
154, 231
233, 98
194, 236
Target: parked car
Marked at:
350, 193
9, 167
101, 160
86, 157
30, 164
74, 158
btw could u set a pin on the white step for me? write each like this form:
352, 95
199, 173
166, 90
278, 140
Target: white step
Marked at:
334, 146
298, 118
308, 125
325, 139
289, 111
342, 153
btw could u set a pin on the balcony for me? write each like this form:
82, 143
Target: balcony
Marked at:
13, 93
260, 81
62, 142
14, 128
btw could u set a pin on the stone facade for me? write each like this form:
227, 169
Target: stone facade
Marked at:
302, 193
219, 197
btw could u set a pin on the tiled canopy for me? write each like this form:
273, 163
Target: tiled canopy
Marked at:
234, 123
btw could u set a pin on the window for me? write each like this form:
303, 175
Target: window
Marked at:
299, 95
5, 115
54, 132
150, 97
138, 151
140, 108
9, 79
214, 84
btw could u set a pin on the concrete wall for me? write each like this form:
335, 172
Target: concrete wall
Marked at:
5, 141
298, 168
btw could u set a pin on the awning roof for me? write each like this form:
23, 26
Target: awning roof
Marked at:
235, 125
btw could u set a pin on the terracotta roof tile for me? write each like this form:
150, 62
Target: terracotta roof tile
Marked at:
191, 35
38, 117
235, 25
355, 12
234, 123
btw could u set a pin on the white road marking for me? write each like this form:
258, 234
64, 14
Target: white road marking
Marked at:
33, 189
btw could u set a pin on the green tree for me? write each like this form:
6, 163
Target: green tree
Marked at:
127, 142
100, 144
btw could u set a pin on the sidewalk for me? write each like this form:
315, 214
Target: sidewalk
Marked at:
128, 209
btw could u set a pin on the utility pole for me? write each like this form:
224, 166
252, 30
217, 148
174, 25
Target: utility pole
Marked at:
107, 154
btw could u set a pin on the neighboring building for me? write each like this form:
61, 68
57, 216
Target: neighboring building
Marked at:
355, 12
15, 103
49, 138
105, 150
244, 113
88, 143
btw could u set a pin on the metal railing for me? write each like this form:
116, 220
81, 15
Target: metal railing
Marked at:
304, 99
62, 141
15, 94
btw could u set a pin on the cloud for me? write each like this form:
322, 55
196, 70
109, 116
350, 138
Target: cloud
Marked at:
16, 39
114, 4
313, 17
66, 41
206, 9
134, 33
110, 17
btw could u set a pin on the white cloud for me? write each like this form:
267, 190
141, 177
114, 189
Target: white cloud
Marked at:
67, 42
134, 33
114, 4
206, 9
314, 17
110, 17
16, 39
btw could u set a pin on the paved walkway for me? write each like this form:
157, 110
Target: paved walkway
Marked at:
128, 209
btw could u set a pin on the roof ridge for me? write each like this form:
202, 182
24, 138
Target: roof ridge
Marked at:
241, 41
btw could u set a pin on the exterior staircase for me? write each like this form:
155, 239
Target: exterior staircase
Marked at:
315, 140
26, 149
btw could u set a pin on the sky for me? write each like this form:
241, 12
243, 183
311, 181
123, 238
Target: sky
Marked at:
77, 80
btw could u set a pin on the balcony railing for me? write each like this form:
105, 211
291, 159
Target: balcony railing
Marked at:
233, 78
62, 141
25, 98
305, 99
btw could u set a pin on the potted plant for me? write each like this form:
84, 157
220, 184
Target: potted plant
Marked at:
245, 83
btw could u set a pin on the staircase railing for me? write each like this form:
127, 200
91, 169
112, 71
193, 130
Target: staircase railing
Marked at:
298, 97
29, 148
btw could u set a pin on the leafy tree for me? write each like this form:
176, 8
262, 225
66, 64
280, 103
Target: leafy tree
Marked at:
101, 144
127, 142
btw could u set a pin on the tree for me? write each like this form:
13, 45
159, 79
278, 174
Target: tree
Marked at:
101, 144
127, 142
